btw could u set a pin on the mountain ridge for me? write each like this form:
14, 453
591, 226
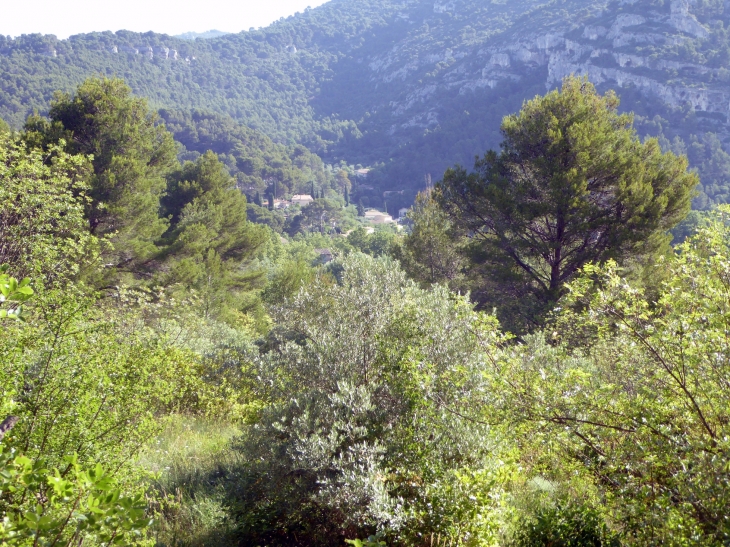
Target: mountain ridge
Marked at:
207, 35
410, 86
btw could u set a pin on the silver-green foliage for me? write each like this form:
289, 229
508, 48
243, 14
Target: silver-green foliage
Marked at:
369, 374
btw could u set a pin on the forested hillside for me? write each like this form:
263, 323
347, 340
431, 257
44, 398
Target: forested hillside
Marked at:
415, 86
530, 364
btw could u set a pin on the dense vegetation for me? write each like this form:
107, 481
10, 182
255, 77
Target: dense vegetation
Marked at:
409, 88
172, 373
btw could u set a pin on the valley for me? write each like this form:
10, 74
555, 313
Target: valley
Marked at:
385, 273
412, 87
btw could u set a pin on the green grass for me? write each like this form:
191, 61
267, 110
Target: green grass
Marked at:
189, 463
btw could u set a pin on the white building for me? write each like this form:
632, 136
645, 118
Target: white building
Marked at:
301, 199
378, 217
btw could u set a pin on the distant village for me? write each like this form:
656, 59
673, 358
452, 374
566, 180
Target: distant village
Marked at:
372, 216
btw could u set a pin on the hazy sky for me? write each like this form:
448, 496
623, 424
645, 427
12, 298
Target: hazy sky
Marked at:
66, 17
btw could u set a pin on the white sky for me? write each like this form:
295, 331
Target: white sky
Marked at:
66, 17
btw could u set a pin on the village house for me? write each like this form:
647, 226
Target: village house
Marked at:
378, 217
301, 199
325, 255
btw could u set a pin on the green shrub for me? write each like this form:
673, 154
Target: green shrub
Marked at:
564, 525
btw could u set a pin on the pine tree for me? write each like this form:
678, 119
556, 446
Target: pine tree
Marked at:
212, 243
132, 154
347, 197
430, 253
360, 209
572, 184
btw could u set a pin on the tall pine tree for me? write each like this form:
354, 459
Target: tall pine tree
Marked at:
572, 184
132, 154
211, 242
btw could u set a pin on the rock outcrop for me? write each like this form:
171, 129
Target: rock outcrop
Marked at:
607, 49
160, 52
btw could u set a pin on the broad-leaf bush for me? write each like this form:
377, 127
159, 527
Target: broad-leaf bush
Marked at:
43, 231
50, 507
641, 407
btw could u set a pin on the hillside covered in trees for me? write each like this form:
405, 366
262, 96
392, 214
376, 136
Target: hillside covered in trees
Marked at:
531, 364
412, 87
214, 332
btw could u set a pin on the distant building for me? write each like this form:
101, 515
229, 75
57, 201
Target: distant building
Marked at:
301, 199
362, 173
402, 212
382, 219
281, 204
378, 217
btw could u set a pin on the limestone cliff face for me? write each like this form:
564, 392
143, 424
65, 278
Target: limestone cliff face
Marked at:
628, 29
609, 46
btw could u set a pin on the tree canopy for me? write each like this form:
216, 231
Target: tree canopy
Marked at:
130, 156
43, 228
211, 242
572, 184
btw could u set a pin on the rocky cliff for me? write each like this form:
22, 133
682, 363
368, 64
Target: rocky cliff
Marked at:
625, 44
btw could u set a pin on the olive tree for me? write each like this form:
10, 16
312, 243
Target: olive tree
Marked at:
368, 377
